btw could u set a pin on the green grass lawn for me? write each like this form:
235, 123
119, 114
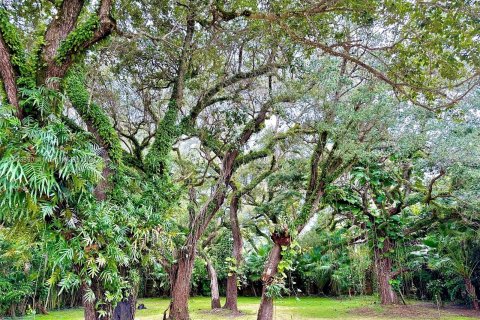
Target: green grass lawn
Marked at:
290, 309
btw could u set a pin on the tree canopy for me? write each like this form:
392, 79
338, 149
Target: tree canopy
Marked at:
161, 147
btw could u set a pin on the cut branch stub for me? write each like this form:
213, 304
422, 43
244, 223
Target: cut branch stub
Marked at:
281, 238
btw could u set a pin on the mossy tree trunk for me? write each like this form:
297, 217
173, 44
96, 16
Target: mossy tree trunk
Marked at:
91, 311
55, 58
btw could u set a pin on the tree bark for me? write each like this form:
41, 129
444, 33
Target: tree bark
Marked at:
212, 274
383, 270
8, 77
180, 276
12, 310
41, 307
472, 293
57, 31
232, 291
90, 310
265, 312
60, 28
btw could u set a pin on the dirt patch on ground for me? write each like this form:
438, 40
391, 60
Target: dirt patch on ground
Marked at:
223, 313
412, 311
407, 312
455, 310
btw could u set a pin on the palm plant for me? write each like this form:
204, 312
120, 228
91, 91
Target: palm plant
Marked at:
454, 249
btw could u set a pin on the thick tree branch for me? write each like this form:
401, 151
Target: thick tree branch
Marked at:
57, 31
62, 40
317, 8
9, 77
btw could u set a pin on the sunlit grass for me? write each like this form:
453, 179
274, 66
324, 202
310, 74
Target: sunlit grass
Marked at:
285, 309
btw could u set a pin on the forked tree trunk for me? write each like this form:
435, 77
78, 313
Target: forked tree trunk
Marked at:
212, 274
180, 276
383, 270
265, 312
181, 272
232, 291
472, 293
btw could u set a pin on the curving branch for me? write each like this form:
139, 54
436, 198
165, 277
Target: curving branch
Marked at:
429, 197
208, 98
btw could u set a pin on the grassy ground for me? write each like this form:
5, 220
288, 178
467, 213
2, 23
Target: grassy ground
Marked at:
290, 309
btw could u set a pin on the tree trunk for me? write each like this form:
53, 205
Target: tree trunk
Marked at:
266, 304
232, 291
41, 308
212, 274
12, 310
90, 310
368, 290
472, 293
383, 270
8, 77
180, 276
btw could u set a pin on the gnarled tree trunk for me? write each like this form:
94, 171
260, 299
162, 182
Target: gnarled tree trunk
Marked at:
232, 291
472, 293
212, 274
383, 270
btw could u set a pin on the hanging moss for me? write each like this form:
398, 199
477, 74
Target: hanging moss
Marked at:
91, 112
